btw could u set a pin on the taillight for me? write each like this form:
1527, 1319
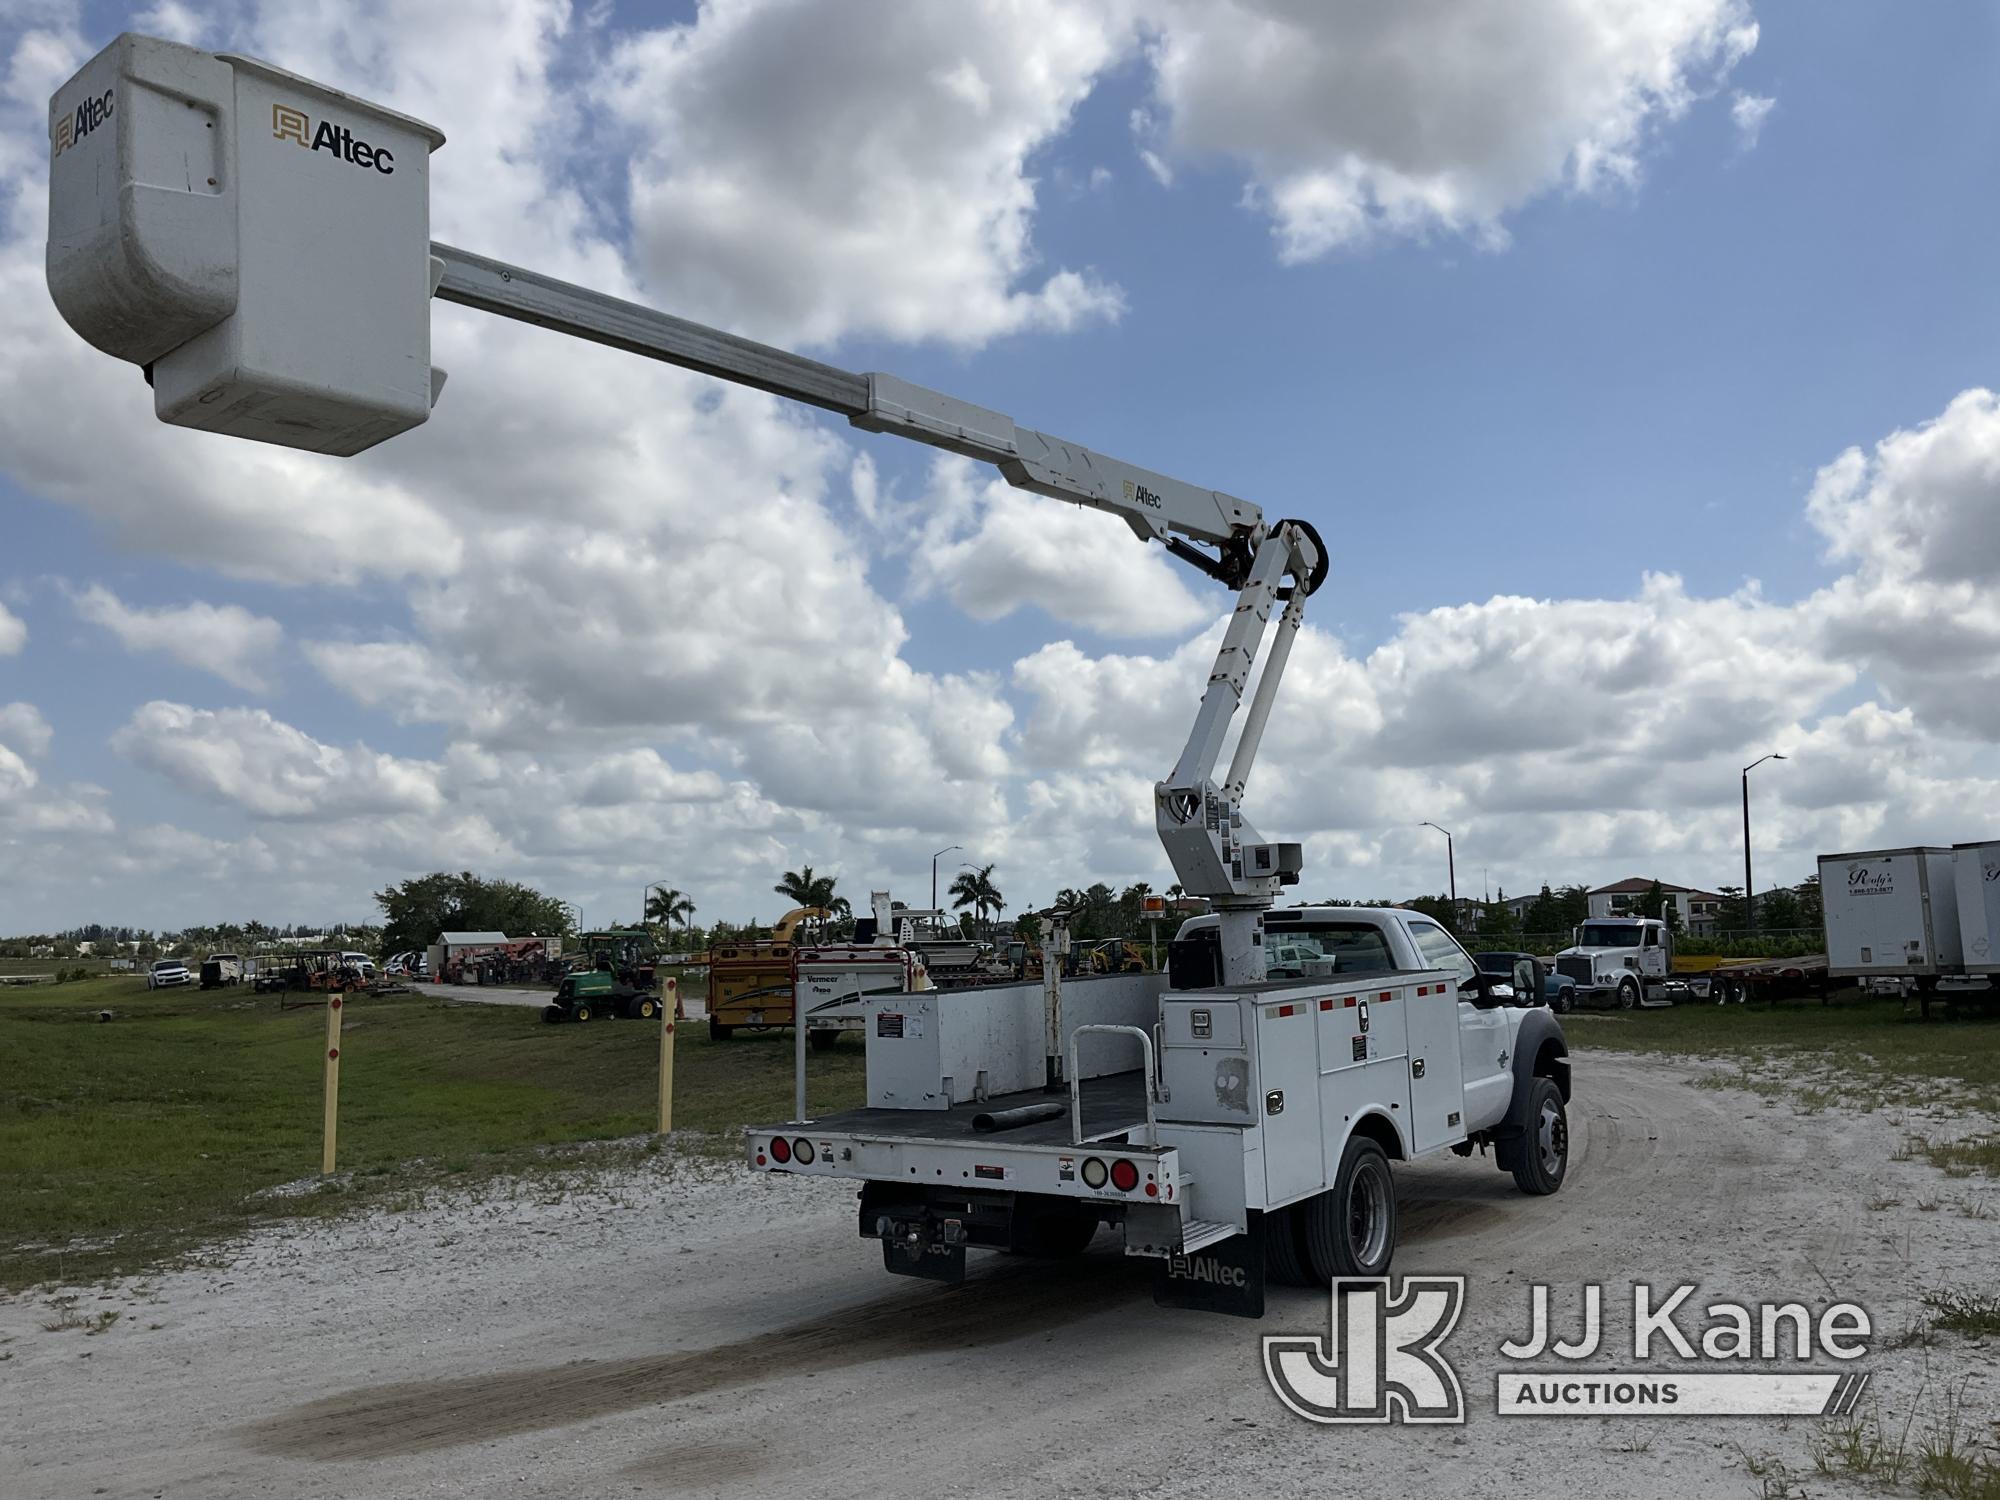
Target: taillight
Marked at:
1124, 1174
1094, 1172
802, 1150
781, 1150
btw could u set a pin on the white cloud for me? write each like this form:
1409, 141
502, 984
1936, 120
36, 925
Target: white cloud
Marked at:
225, 639
244, 757
24, 729
13, 632
1409, 118
991, 548
802, 174
1748, 112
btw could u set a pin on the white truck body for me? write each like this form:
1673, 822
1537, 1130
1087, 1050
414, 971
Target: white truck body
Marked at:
1976, 877
1891, 912
831, 985
1626, 961
1232, 1103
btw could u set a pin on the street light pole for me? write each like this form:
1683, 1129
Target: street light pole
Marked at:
1749, 890
1450, 869
934, 859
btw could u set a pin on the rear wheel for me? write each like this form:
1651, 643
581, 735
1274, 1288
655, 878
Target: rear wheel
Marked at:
582, 1012
1284, 1253
1351, 1230
645, 1007
1545, 1154
717, 1032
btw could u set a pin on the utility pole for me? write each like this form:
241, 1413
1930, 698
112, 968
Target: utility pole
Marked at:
934, 859
1450, 870
1749, 890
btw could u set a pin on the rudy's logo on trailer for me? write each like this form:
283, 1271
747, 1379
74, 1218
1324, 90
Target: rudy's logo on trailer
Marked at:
75, 125
288, 124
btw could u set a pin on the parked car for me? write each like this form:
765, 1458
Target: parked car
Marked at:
1558, 990
166, 973
361, 962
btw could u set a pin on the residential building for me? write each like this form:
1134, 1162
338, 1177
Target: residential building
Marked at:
1626, 898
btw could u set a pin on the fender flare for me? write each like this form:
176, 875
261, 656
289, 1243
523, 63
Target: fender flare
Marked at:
1375, 1122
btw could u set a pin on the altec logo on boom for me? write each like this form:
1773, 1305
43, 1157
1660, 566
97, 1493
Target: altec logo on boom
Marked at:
289, 124
73, 127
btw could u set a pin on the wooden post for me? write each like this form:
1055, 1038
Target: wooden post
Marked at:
670, 1011
333, 1009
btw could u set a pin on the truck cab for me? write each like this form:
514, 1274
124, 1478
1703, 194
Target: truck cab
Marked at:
1624, 961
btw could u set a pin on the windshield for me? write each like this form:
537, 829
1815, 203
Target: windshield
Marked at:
1609, 935
1320, 950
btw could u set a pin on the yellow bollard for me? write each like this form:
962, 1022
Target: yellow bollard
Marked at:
333, 1009
670, 1009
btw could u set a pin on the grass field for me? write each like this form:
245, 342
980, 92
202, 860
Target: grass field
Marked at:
126, 1143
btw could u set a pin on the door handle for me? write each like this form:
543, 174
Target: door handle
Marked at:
1417, 1067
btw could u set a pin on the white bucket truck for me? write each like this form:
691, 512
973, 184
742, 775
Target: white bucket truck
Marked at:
257, 243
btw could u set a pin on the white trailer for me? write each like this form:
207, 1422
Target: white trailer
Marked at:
1976, 876
1891, 913
275, 292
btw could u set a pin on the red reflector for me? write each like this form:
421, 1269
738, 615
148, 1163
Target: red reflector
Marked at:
1286, 1010
1124, 1175
781, 1150
1385, 995
1326, 1005
760, 1158
1152, 1190
1350, 1002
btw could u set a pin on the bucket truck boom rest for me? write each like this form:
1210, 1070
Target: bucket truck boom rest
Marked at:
259, 244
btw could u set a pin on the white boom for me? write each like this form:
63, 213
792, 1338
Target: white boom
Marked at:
254, 298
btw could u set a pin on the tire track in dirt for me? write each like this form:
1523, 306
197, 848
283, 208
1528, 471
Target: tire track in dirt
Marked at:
419, 1416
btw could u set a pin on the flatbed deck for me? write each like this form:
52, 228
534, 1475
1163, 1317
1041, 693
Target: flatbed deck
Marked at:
1113, 1102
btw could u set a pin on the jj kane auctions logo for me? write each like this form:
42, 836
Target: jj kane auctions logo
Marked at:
289, 124
74, 126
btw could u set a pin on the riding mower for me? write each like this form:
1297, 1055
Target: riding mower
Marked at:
593, 992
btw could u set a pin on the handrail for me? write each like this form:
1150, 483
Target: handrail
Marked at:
1076, 1083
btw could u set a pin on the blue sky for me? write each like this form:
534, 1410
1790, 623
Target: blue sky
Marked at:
1547, 395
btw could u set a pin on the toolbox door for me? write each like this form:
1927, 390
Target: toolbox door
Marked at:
1287, 1101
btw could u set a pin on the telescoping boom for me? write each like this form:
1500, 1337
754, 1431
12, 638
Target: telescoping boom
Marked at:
278, 294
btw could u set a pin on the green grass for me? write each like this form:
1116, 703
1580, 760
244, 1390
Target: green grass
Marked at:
1854, 1051
128, 1143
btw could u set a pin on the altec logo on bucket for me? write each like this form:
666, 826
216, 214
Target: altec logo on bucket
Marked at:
74, 126
289, 124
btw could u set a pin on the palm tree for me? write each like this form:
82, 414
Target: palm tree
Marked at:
975, 888
664, 904
803, 888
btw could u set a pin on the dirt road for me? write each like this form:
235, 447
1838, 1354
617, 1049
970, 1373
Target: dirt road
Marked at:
686, 1330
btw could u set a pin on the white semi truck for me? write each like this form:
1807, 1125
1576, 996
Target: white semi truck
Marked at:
1623, 961
1226, 1121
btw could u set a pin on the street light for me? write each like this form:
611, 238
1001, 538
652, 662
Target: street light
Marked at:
934, 859
1749, 890
1450, 867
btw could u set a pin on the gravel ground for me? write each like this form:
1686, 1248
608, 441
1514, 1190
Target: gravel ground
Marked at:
685, 1329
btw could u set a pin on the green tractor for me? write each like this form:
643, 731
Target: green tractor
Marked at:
597, 992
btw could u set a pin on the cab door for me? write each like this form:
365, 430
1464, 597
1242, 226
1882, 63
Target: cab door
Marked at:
1484, 1040
1653, 953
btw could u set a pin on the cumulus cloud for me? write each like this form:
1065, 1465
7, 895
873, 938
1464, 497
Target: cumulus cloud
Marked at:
1748, 112
23, 728
246, 758
13, 632
1359, 121
804, 175
225, 639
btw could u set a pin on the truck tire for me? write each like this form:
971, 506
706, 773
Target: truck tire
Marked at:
717, 1032
1628, 993
1351, 1228
823, 1041
1564, 1000
1284, 1248
1545, 1154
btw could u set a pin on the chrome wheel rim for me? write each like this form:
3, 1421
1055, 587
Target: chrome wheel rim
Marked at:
1368, 1216
1552, 1134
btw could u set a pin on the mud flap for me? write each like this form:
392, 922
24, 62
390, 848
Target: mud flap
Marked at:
930, 1262
1227, 1277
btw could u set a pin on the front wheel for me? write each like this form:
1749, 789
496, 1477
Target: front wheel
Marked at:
1562, 1002
1545, 1153
1628, 993
1351, 1229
